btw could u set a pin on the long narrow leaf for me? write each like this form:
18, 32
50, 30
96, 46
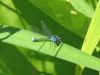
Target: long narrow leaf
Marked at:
23, 38
92, 36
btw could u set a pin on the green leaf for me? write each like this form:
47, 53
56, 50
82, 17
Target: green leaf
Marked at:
85, 7
3, 69
93, 34
64, 14
56, 12
23, 38
13, 62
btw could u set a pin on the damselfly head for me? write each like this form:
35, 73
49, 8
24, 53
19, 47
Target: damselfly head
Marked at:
56, 39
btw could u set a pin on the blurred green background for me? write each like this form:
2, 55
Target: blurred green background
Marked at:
64, 18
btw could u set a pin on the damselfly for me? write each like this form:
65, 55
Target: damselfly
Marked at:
54, 38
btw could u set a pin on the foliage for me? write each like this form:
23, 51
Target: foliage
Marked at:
74, 21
